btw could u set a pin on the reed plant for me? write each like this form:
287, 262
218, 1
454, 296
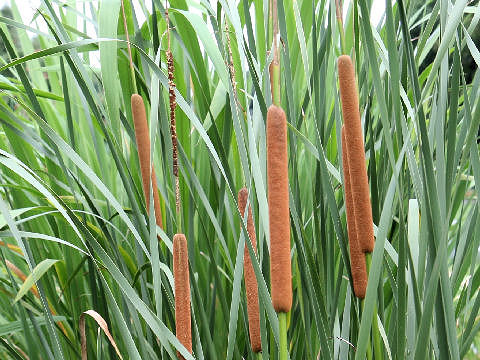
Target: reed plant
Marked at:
123, 122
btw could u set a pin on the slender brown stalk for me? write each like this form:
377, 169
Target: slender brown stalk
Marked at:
249, 274
173, 105
173, 129
356, 153
357, 257
22, 277
19, 273
142, 137
182, 292
278, 209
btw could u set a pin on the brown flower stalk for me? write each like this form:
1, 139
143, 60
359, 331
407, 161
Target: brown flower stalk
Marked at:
142, 137
356, 154
22, 277
278, 209
182, 292
249, 274
19, 273
173, 106
357, 257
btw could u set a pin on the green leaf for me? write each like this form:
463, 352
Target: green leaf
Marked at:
34, 276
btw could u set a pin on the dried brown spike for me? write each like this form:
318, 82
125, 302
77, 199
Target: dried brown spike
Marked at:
357, 257
249, 274
183, 324
173, 105
142, 136
356, 153
278, 209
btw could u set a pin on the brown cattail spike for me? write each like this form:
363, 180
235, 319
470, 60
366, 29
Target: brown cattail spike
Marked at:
278, 209
142, 137
249, 274
357, 257
182, 292
356, 153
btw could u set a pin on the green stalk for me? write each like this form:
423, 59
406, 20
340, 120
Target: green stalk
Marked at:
377, 348
132, 69
178, 211
369, 348
276, 84
377, 345
282, 320
259, 355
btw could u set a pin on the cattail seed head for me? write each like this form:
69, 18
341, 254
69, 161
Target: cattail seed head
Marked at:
357, 257
142, 136
278, 209
356, 153
249, 274
182, 292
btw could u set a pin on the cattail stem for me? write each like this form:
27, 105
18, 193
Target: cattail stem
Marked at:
274, 68
357, 257
181, 275
369, 347
132, 69
356, 154
282, 322
275, 29
275, 82
142, 136
249, 275
377, 344
339, 13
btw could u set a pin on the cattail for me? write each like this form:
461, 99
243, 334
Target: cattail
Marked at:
357, 257
250, 280
143, 144
278, 209
182, 292
356, 153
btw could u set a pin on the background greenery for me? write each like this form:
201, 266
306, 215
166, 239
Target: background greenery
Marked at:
72, 208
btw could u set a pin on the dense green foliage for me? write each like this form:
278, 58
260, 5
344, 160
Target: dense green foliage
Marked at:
72, 207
